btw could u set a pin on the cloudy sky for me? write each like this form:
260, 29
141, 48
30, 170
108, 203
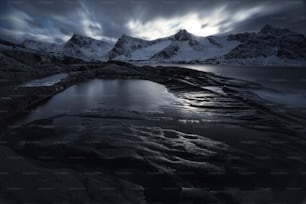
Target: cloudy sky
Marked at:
57, 20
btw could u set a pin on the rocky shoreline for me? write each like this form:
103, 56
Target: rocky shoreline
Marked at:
232, 146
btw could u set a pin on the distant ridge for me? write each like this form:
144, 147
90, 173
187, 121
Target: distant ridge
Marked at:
269, 46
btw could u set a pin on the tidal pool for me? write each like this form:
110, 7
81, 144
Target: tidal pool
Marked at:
116, 95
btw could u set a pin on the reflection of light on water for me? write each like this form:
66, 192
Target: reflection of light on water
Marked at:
186, 121
117, 95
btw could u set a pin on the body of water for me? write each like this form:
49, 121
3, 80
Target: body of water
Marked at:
126, 95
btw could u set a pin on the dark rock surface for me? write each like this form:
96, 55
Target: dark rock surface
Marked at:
223, 145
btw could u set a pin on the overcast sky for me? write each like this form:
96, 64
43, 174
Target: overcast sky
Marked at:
57, 20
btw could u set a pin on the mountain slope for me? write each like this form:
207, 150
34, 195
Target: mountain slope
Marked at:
186, 47
128, 48
87, 48
182, 46
270, 46
18, 57
42, 46
77, 46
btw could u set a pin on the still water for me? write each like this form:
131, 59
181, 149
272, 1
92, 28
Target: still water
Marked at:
126, 95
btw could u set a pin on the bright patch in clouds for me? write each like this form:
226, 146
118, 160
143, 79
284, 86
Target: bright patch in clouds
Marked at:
216, 22
91, 27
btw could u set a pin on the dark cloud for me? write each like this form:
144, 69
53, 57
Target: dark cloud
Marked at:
56, 20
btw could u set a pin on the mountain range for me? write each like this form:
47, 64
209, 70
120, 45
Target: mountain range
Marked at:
268, 46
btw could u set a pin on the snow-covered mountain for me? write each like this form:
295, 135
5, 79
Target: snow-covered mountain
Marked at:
18, 57
77, 46
269, 46
134, 49
87, 48
186, 47
181, 47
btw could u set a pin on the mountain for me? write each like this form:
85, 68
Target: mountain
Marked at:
186, 47
269, 46
18, 57
77, 46
181, 47
134, 49
87, 48
42, 46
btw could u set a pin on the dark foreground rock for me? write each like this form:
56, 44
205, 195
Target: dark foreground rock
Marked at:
219, 144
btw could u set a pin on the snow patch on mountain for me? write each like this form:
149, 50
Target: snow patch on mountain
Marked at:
125, 46
182, 46
147, 52
87, 48
77, 46
187, 48
269, 46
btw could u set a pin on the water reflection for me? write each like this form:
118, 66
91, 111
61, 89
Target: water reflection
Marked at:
127, 95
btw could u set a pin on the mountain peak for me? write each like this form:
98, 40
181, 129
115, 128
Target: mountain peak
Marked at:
182, 31
183, 35
124, 36
127, 37
78, 36
78, 40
